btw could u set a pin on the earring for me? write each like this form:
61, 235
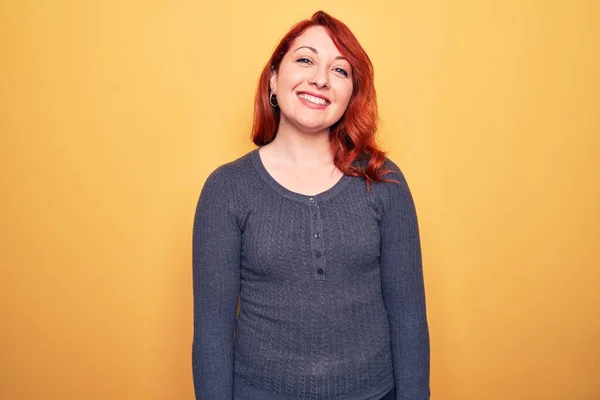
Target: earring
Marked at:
271, 97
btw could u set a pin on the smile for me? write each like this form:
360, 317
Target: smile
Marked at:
313, 99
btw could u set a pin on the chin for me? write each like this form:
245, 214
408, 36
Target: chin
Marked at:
313, 128
311, 123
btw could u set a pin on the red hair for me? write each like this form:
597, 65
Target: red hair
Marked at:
353, 136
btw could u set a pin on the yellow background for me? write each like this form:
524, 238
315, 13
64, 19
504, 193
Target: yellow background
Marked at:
112, 115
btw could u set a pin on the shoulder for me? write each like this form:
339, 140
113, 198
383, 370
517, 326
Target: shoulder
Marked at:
393, 175
395, 189
227, 173
230, 187
391, 171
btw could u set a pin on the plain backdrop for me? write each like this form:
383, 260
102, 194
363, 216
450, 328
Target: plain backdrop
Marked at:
112, 115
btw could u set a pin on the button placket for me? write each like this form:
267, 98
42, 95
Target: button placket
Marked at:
316, 240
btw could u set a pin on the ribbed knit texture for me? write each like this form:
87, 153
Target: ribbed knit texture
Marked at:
331, 289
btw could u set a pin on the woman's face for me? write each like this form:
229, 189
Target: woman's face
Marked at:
314, 82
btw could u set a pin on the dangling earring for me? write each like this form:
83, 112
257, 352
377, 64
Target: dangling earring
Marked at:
271, 97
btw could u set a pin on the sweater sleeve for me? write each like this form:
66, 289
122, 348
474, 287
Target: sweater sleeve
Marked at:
403, 290
216, 282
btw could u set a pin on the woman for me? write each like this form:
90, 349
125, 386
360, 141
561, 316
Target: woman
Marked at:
315, 232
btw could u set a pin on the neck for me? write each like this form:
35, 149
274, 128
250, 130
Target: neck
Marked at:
300, 148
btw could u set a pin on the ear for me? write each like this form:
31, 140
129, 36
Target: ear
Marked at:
273, 81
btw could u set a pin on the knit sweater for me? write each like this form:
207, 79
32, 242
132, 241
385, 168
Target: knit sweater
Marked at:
330, 286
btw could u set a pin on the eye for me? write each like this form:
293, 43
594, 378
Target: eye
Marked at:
303, 60
341, 71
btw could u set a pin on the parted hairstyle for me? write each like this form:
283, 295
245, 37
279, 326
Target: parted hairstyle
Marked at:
353, 136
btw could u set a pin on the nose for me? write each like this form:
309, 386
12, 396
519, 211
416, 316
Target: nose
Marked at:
320, 78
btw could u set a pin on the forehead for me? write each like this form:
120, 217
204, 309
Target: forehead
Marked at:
318, 38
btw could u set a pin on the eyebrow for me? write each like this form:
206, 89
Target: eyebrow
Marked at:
316, 52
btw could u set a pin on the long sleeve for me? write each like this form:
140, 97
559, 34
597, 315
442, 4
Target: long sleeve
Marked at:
403, 290
216, 282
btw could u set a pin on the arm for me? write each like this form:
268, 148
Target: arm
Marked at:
403, 291
216, 277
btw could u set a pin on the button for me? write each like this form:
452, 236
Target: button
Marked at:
318, 254
317, 235
320, 271
311, 200
315, 216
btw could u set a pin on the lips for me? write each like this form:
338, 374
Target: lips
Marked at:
314, 99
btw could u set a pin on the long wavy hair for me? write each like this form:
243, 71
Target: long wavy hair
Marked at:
352, 138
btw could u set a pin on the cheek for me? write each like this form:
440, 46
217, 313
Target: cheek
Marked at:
344, 94
290, 78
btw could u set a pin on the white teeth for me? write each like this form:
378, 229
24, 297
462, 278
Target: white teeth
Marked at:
312, 99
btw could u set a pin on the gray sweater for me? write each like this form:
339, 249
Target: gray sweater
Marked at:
331, 290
